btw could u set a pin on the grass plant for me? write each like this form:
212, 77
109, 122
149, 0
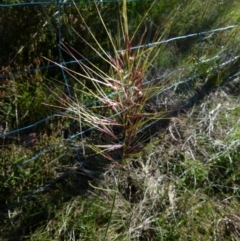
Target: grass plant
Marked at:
127, 80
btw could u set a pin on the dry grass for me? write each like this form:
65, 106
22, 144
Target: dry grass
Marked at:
174, 191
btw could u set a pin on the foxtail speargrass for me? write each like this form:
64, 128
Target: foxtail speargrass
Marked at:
127, 81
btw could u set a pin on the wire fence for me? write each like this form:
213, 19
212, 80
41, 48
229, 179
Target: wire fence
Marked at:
57, 12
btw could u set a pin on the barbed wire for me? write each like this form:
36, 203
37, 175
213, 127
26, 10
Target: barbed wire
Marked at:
147, 45
64, 3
